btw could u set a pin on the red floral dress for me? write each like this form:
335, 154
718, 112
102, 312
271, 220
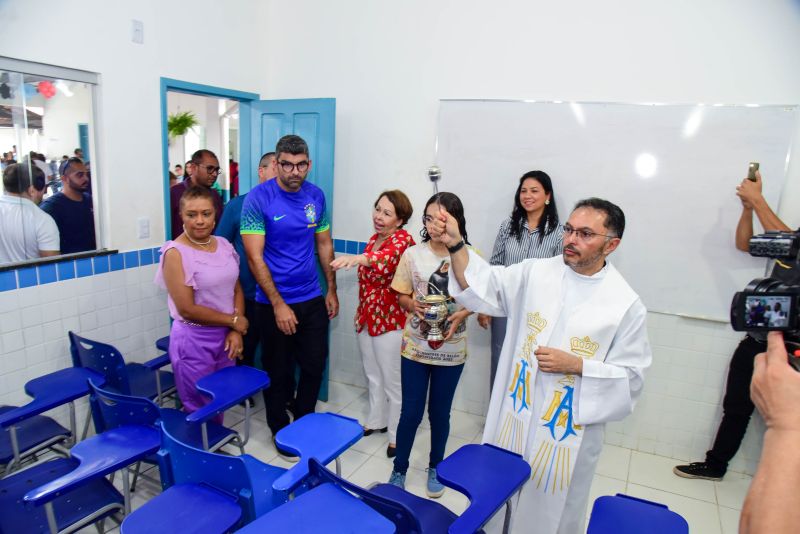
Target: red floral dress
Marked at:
378, 308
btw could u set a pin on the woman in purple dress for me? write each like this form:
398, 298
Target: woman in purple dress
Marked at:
200, 272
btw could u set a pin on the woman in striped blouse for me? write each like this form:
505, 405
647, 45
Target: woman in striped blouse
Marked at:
530, 232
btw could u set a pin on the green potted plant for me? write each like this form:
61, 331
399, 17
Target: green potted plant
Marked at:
180, 123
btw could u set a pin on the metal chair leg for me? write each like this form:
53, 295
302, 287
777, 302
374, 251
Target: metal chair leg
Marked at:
135, 475
51, 517
158, 387
509, 513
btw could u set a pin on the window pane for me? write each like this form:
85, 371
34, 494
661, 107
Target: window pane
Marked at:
47, 204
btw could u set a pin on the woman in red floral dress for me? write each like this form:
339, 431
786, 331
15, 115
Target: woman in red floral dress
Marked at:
379, 319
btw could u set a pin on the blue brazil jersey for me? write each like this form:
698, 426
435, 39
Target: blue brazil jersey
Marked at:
288, 222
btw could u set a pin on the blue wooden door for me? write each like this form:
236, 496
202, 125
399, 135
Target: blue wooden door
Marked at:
83, 140
263, 122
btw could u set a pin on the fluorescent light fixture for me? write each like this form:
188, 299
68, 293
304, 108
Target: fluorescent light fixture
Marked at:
646, 165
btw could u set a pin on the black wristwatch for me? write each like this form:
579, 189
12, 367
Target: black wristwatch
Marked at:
455, 248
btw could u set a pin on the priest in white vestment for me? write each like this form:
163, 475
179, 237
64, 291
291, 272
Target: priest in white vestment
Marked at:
573, 359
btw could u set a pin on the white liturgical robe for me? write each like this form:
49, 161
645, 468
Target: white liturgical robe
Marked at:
556, 421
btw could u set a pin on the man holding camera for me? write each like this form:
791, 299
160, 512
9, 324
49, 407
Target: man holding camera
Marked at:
737, 406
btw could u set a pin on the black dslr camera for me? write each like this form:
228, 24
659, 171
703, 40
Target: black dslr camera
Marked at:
771, 303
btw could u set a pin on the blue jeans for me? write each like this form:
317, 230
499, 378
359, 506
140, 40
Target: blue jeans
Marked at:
415, 377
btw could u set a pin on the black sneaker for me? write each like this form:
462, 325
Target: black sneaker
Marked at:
283, 453
698, 470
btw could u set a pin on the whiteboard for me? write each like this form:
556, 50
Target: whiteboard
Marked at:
680, 204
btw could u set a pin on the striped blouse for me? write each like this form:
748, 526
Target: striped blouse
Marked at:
508, 251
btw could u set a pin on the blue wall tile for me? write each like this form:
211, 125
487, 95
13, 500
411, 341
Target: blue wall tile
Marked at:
116, 262
100, 264
83, 267
131, 259
156, 254
362, 246
27, 277
47, 274
66, 270
8, 280
146, 256
352, 247
339, 245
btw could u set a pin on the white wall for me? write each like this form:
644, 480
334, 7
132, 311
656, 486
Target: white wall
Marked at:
62, 114
387, 65
204, 42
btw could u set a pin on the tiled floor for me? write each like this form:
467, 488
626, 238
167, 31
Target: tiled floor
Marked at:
709, 507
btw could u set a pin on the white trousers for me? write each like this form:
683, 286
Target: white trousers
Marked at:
381, 356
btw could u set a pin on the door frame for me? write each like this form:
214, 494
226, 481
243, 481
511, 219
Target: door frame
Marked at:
180, 86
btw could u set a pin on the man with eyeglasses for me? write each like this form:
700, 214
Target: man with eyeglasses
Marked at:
283, 222
72, 208
203, 172
573, 359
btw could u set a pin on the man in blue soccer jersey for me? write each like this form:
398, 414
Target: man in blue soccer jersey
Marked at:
283, 222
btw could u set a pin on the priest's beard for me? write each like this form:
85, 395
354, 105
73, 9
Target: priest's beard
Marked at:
582, 261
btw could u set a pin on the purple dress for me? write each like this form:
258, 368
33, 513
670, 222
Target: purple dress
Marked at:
195, 350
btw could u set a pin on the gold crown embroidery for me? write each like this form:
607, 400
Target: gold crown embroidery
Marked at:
536, 322
584, 347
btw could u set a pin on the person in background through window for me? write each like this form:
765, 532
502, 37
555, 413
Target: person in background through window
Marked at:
178, 171
72, 209
203, 171
28, 232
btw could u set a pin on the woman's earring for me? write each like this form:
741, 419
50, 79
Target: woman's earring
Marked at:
547, 202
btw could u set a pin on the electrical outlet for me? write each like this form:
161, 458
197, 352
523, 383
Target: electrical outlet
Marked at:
137, 31
143, 226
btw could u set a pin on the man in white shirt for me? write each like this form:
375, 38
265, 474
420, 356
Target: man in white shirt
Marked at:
27, 231
573, 359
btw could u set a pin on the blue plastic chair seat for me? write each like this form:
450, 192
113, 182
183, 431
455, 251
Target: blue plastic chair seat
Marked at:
190, 434
31, 433
185, 508
327, 508
623, 514
15, 517
432, 516
142, 380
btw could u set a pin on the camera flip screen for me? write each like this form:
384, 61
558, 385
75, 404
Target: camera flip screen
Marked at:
767, 311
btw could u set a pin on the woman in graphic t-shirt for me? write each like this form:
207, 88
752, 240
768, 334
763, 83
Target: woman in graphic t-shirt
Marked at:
424, 270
